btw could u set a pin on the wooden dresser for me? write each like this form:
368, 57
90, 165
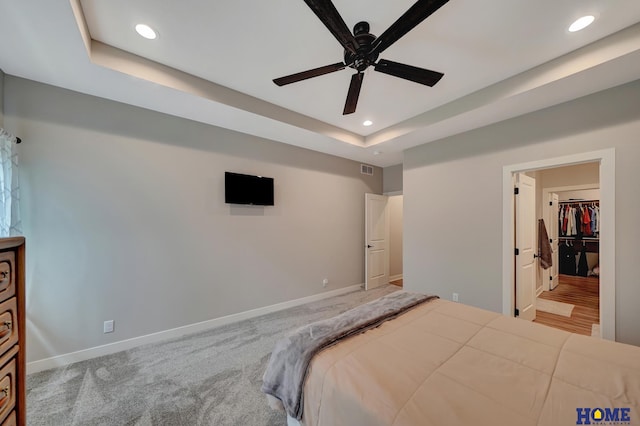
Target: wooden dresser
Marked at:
12, 333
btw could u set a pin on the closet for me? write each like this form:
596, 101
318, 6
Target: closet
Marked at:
578, 237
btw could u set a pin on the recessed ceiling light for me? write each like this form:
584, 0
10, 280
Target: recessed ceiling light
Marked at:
367, 123
581, 23
146, 31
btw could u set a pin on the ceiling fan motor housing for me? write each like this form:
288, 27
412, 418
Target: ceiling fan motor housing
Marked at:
363, 57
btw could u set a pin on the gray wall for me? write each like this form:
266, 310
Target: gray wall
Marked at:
392, 179
1, 98
125, 219
453, 198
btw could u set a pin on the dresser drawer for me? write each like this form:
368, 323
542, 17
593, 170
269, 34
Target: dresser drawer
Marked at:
7, 275
8, 384
11, 420
8, 324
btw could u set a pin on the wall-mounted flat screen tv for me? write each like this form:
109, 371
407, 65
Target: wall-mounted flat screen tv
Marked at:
248, 189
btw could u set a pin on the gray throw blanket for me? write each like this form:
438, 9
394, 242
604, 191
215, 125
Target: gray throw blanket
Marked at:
287, 369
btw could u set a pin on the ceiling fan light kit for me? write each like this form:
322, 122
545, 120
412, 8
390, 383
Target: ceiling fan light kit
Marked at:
361, 48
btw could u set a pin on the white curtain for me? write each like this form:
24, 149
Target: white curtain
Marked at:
10, 223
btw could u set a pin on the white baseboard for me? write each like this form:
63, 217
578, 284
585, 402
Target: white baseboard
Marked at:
539, 291
123, 345
395, 277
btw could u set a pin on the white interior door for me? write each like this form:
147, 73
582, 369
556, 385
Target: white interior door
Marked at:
526, 247
552, 220
376, 241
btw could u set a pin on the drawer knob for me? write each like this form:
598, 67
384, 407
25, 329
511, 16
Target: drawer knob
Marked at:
4, 399
5, 329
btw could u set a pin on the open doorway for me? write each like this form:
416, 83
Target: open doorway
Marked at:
605, 163
568, 290
395, 240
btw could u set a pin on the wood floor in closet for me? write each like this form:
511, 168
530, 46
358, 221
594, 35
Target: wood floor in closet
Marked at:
396, 282
583, 292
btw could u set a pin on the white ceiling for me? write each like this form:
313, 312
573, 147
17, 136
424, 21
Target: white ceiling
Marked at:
214, 61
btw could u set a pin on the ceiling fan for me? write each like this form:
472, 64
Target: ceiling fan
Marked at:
361, 49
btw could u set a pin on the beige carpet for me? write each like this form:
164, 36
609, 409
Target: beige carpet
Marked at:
554, 307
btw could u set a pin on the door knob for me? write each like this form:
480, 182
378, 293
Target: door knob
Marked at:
369, 246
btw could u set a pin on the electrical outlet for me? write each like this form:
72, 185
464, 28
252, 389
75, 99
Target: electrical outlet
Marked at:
325, 282
108, 326
455, 297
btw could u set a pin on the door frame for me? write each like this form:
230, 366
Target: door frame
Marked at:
556, 189
606, 158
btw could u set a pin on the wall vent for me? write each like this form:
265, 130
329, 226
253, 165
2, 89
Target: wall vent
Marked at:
366, 170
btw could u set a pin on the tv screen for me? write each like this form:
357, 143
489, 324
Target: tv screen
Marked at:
248, 189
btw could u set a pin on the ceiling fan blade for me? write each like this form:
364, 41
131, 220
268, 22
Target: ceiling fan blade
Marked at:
309, 74
417, 13
328, 14
408, 72
353, 94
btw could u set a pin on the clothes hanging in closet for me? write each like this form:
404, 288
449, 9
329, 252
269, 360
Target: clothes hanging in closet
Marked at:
567, 259
578, 215
583, 267
578, 220
595, 220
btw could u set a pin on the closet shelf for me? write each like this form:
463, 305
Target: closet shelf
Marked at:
580, 238
579, 202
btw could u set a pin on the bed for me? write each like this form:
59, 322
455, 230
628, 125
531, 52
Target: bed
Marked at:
445, 363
